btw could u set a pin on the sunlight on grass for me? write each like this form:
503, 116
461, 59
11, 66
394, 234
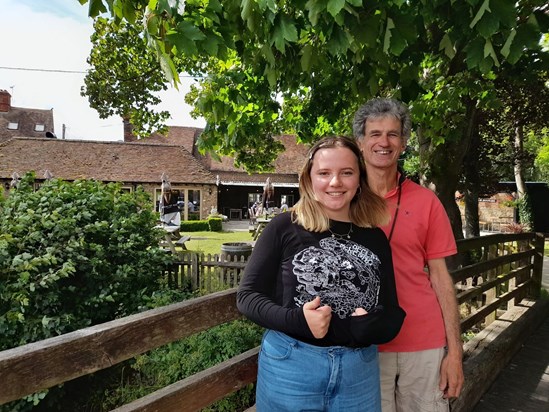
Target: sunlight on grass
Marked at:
210, 242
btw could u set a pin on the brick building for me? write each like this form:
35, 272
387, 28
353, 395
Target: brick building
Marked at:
28, 143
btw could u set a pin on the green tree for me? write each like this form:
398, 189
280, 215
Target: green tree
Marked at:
542, 159
304, 66
125, 76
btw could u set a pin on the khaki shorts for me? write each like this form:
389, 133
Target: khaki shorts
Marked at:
409, 381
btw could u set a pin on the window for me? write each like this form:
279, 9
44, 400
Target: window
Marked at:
193, 204
287, 200
39, 127
254, 198
13, 125
176, 198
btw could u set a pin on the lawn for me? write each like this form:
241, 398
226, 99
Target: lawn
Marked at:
210, 242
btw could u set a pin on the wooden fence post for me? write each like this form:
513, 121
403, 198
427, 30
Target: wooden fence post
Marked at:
537, 270
195, 268
492, 293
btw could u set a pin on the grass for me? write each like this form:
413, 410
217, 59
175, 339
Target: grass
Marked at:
210, 242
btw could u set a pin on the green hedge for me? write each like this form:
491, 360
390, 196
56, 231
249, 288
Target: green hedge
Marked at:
215, 224
210, 225
195, 226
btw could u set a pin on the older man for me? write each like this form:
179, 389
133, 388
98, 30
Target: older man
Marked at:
422, 367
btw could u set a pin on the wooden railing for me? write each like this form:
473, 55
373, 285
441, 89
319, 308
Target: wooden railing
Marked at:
498, 272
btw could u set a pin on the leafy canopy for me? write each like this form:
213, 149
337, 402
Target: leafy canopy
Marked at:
304, 66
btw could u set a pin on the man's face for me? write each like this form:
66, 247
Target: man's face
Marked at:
383, 142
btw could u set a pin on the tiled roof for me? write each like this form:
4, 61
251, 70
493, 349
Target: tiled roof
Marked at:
27, 119
287, 166
177, 135
105, 161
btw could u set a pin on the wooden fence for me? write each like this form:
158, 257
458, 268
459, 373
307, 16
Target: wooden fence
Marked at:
206, 273
499, 277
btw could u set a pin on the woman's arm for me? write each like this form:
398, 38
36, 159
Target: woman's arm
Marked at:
260, 293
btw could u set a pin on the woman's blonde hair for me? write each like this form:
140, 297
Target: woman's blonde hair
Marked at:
367, 208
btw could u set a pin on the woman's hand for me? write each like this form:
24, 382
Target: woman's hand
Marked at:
317, 317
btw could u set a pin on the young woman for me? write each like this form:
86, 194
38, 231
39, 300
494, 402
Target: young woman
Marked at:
320, 280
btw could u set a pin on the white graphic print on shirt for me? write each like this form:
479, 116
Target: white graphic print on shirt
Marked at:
343, 273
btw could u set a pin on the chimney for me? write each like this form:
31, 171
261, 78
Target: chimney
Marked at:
128, 130
5, 101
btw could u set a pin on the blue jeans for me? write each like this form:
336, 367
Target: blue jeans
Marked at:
295, 376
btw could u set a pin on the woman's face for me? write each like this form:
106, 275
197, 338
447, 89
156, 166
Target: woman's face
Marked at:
335, 178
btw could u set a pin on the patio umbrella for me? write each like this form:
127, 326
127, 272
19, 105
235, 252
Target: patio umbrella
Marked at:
168, 207
14, 180
268, 194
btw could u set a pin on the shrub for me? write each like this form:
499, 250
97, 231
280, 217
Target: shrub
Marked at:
73, 255
215, 224
194, 226
178, 360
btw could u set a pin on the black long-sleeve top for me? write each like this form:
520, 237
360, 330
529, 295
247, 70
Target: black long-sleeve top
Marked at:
291, 266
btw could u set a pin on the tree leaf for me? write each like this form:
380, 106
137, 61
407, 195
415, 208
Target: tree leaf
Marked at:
210, 44
368, 31
284, 30
506, 49
488, 26
398, 43
387, 37
447, 45
95, 8
247, 8
190, 31
335, 6
490, 52
339, 42
483, 8
289, 30
306, 57
474, 52
505, 12
215, 6
315, 10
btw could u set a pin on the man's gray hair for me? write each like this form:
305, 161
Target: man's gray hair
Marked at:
379, 108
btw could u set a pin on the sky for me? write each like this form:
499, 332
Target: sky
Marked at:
44, 45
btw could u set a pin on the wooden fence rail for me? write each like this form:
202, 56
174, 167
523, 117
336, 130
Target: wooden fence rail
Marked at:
497, 273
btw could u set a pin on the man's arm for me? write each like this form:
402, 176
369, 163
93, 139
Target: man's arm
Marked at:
451, 369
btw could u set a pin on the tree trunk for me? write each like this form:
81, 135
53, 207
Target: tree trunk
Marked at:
519, 153
472, 184
443, 166
472, 224
524, 206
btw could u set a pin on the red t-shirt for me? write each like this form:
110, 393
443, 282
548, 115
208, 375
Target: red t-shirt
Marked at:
422, 232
